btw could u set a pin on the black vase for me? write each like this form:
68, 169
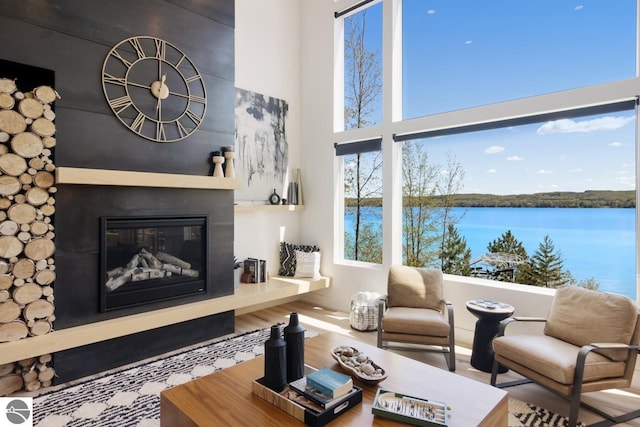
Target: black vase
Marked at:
294, 337
275, 361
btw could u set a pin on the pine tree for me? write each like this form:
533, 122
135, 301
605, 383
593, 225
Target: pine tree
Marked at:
545, 267
456, 256
507, 243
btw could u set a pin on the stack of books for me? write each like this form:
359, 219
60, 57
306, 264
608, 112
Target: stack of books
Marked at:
325, 387
307, 404
255, 270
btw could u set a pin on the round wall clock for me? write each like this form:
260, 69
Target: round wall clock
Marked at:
154, 89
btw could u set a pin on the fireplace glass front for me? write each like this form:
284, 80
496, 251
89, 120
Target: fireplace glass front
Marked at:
150, 259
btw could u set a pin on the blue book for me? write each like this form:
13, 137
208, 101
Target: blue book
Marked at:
329, 382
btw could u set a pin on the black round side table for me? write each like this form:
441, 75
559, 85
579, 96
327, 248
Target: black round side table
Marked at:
489, 314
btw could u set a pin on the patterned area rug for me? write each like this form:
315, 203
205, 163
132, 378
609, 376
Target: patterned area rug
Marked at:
526, 414
131, 397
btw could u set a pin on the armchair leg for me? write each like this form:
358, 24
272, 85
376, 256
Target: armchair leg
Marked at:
451, 361
574, 407
494, 373
494, 376
452, 346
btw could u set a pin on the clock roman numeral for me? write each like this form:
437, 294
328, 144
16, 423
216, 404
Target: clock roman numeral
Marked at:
181, 129
193, 78
120, 104
138, 123
120, 57
161, 49
160, 133
199, 99
194, 117
108, 78
138, 47
182, 58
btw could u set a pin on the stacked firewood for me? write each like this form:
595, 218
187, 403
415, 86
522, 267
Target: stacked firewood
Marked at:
27, 204
26, 375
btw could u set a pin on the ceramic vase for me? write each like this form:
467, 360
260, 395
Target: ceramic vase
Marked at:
275, 361
294, 337
229, 167
218, 160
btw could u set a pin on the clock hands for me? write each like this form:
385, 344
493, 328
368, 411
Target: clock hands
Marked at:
159, 89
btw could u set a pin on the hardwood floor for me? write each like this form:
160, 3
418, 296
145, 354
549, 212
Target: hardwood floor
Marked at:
318, 320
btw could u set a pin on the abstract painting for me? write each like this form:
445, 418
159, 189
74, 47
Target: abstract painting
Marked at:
262, 158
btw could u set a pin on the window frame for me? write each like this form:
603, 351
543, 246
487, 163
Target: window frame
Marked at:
487, 116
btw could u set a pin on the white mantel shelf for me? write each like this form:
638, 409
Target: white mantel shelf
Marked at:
246, 295
67, 175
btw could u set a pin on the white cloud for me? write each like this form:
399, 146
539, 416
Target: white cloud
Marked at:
515, 158
571, 126
544, 172
492, 170
431, 11
616, 144
575, 170
578, 7
468, 42
494, 149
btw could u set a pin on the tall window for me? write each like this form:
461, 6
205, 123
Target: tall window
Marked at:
363, 68
362, 165
464, 53
362, 160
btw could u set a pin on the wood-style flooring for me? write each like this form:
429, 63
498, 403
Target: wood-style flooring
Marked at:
319, 320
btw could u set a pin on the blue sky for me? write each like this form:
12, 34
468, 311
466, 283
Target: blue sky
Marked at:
464, 53
588, 153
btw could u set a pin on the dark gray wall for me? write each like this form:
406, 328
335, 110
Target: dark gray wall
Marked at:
72, 38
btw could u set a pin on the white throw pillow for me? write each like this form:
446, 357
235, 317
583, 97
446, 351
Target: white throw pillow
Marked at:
307, 264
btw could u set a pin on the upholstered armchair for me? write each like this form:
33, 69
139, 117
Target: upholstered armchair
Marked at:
589, 343
414, 311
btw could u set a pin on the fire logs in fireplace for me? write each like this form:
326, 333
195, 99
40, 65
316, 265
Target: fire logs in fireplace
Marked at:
145, 266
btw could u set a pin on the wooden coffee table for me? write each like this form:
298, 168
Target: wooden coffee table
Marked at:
225, 397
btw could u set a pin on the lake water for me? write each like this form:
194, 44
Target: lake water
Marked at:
598, 243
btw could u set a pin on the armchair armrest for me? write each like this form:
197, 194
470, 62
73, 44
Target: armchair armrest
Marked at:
529, 319
613, 345
509, 320
586, 349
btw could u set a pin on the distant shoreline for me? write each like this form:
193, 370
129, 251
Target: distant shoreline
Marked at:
559, 199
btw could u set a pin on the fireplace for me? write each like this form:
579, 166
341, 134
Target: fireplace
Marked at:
150, 259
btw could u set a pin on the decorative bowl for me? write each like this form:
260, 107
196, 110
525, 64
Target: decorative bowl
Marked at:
359, 364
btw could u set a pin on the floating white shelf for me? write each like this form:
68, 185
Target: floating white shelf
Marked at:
277, 208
